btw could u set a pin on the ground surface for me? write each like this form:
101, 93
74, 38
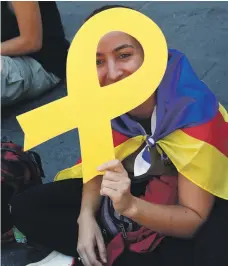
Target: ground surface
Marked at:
199, 29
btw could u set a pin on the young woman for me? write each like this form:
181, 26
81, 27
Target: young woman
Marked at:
141, 211
33, 49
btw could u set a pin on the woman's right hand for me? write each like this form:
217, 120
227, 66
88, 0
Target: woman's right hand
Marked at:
90, 239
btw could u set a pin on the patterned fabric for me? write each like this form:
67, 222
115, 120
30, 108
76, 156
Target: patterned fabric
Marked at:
19, 168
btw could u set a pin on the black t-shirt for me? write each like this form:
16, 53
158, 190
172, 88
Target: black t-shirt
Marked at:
146, 124
139, 188
53, 53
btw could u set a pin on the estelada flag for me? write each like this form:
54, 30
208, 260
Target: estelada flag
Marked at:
191, 129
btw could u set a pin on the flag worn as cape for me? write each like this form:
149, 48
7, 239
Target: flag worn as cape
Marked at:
191, 129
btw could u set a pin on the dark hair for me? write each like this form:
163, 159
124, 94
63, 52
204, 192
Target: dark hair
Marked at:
103, 8
106, 7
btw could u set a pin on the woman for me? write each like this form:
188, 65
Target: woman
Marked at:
141, 211
33, 50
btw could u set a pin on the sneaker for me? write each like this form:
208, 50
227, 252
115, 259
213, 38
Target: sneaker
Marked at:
55, 259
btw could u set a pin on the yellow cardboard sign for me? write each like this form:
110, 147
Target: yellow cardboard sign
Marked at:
89, 107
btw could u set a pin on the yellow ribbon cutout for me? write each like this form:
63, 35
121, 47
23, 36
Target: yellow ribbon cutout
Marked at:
89, 107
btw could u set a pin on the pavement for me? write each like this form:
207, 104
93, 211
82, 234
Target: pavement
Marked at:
198, 29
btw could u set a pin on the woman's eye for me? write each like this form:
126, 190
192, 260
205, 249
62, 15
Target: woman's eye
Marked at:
122, 56
99, 62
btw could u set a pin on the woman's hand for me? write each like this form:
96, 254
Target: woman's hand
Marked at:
179, 220
90, 239
116, 184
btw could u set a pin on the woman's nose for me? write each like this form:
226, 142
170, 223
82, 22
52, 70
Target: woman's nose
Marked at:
114, 72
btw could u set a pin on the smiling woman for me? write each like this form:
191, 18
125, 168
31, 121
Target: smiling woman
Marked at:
118, 56
160, 201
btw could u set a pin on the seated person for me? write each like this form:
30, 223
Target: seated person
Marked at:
33, 50
164, 219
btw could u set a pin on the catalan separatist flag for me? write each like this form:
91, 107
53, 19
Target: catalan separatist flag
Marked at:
191, 129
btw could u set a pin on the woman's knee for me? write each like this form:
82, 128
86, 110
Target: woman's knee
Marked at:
12, 81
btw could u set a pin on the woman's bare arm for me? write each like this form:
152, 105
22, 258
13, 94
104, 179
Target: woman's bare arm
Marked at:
91, 198
30, 27
181, 220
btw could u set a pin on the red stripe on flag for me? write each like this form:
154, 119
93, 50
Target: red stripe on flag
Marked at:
118, 138
214, 132
79, 161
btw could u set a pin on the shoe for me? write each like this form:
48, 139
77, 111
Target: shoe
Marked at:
55, 259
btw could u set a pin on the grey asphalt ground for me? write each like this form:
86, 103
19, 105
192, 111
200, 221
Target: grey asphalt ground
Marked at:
198, 29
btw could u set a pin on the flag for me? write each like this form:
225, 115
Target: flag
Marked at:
191, 129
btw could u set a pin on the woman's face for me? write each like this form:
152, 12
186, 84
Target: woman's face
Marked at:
118, 56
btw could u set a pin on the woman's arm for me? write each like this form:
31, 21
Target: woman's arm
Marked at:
89, 232
91, 198
180, 220
30, 27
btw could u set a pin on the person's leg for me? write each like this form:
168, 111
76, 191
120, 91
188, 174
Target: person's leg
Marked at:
7, 235
136, 259
171, 251
12, 81
23, 78
175, 251
6, 221
47, 214
211, 245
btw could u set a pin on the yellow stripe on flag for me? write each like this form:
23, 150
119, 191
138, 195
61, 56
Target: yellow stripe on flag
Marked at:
223, 112
198, 161
121, 151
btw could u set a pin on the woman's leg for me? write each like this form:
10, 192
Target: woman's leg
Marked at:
171, 251
23, 78
47, 214
211, 245
6, 194
175, 251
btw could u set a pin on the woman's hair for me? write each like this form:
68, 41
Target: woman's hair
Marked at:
103, 8
106, 7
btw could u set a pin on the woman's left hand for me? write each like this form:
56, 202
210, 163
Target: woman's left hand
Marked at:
116, 184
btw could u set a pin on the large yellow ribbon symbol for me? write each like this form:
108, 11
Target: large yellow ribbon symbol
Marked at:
89, 107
